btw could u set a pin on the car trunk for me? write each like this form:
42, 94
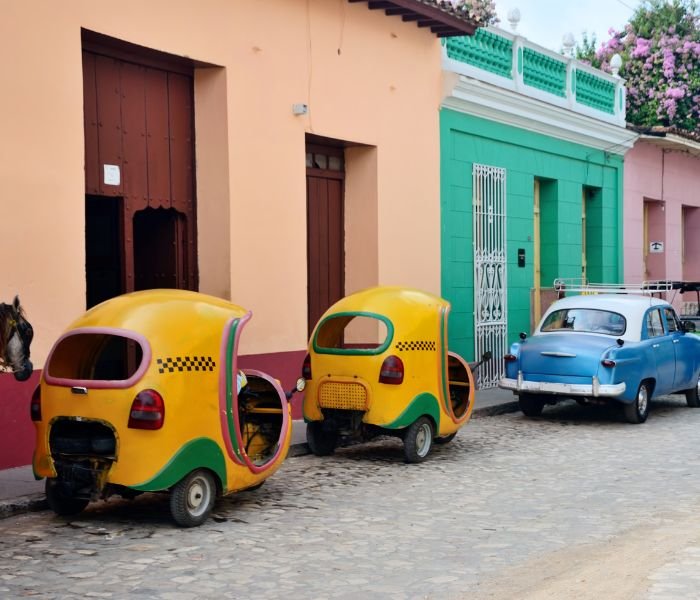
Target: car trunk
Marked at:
563, 354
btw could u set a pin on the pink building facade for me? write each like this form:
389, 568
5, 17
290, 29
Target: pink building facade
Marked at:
662, 208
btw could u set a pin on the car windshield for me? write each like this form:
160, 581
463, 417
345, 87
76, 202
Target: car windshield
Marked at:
585, 320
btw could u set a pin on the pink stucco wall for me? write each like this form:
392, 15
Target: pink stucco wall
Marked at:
667, 180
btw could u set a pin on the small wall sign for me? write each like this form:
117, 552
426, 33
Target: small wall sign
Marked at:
656, 247
112, 175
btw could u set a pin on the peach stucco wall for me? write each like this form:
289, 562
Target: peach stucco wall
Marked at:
367, 78
668, 180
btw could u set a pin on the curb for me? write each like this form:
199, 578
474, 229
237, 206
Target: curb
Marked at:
37, 502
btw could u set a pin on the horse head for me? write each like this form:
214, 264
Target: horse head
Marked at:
16, 335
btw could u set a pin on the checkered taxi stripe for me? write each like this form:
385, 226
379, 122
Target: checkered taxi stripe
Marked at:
185, 363
418, 345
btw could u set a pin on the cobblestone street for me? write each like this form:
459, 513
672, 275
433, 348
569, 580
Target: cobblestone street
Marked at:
577, 497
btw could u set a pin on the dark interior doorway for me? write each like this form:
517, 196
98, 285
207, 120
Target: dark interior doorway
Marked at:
158, 239
103, 243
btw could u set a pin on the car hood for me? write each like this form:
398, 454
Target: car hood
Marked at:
576, 354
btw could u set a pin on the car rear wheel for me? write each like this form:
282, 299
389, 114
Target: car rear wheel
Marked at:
321, 442
61, 501
192, 499
692, 396
531, 405
418, 440
638, 411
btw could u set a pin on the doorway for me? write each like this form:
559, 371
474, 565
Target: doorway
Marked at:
325, 213
140, 206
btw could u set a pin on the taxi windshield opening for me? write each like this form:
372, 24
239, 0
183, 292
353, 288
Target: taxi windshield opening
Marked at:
585, 320
95, 357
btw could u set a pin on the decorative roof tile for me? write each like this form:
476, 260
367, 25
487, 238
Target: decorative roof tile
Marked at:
444, 17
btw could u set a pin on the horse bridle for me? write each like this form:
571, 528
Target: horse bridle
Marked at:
24, 330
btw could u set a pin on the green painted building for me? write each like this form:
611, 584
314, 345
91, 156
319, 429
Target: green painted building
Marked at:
532, 146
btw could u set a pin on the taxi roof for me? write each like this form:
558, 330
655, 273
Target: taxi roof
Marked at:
153, 310
391, 301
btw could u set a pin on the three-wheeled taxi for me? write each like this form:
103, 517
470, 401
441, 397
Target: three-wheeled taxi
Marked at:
378, 364
142, 394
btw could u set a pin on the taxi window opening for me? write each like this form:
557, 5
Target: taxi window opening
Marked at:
95, 357
351, 332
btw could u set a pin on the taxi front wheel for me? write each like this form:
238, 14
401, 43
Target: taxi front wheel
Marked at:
418, 440
192, 499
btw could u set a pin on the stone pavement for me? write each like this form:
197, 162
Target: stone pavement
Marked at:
578, 486
20, 492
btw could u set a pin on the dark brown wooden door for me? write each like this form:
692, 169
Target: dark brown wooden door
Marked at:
139, 149
326, 230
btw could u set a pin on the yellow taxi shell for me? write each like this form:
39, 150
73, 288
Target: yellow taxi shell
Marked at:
416, 333
176, 326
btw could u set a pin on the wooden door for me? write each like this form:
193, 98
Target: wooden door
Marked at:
325, 229
139, 150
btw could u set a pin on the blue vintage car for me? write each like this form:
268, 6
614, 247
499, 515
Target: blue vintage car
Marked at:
605, 347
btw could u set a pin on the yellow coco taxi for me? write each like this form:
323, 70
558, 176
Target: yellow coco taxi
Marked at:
142, 394
378, 364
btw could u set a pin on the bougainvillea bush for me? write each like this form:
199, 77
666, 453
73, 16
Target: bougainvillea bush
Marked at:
660, 49
481, 12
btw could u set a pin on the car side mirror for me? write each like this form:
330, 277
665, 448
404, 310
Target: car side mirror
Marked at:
688, 326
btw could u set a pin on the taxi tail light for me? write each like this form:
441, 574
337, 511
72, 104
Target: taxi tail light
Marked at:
510, 357
147, 411
606, 362
35, 406
391, 371
306, 367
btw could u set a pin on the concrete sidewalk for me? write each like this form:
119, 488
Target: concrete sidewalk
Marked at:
20, 492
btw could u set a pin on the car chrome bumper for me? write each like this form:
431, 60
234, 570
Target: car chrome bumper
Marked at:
594, 390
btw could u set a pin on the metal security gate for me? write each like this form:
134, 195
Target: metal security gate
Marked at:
490, 283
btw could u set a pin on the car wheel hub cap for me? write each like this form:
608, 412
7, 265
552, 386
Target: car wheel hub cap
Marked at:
642, 401
197, 497
423, 440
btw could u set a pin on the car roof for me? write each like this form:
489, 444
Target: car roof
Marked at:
632, 307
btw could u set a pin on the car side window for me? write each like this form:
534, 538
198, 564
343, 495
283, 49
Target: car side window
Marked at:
655, 326
672, 320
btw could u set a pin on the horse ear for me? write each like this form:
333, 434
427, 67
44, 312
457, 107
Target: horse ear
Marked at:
15, 304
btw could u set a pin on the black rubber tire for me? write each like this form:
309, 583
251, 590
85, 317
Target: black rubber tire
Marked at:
447, 439
192, 499
418, 440
62, 503
531, 404
692, 396
321, 442
637, 412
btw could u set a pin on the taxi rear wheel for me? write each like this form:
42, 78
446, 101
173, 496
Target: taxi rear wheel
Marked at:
61, 501
418, 440
192, 499
322, 442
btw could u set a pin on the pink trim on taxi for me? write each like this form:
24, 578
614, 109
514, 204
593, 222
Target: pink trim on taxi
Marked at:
98, 384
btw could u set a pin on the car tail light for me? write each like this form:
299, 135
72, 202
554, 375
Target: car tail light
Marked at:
606, 362
35, 406
509, 357
391, 371
147, 411
306, 367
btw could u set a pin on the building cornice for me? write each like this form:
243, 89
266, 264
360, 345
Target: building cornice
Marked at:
468, 95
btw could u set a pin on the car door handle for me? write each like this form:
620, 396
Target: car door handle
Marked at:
676, 341
655, 345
